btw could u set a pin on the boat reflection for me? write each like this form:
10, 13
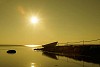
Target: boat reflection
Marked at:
91, 59
51, 55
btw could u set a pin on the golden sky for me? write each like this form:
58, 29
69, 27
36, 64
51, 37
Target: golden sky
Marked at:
60, 20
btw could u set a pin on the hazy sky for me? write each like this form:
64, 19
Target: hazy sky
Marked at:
60, 20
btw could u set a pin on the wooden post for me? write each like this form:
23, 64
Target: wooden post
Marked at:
67, 43
83, 42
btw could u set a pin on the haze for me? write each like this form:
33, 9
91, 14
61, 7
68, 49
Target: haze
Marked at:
60, 20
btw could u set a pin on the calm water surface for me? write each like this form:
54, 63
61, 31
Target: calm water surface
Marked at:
27, 57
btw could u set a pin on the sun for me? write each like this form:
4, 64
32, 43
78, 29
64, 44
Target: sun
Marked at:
34, 19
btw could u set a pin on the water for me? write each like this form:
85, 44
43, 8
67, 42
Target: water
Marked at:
27, 57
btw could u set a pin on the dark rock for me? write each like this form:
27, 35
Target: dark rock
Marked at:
11, 51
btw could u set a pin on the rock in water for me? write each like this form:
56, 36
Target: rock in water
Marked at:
11, 51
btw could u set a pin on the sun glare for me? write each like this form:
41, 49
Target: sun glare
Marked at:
32, 45
34, 19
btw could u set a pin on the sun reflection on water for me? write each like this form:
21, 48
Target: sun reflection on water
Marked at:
32, 64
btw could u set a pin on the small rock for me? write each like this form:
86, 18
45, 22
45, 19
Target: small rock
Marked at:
11, 51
